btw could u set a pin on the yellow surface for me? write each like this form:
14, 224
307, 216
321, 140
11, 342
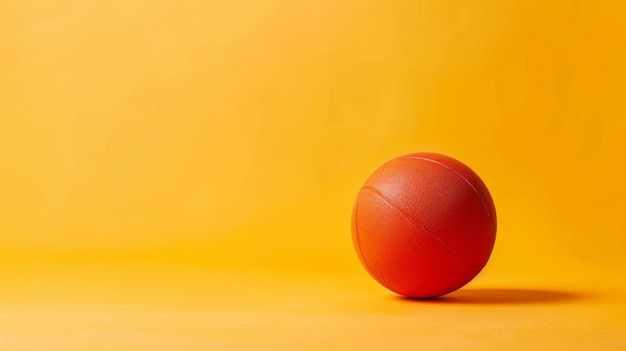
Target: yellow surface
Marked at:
180, 174
160, 307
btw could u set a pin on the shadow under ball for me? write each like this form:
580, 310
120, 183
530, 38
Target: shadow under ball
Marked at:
424, 225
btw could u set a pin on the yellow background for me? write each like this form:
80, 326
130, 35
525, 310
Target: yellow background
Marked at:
180, 174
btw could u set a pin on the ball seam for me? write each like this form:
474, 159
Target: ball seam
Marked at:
374, 272
422, 229
482, 200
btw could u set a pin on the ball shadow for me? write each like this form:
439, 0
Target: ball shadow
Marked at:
501, 296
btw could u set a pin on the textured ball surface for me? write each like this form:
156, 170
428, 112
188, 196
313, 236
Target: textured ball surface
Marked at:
424, 225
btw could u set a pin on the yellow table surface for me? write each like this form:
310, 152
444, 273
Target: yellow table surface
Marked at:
155, 307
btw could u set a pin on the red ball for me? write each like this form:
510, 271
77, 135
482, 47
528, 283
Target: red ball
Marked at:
424, 225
